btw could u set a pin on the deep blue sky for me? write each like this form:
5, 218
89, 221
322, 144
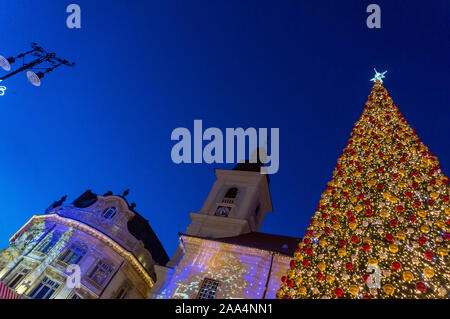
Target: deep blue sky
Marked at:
147, 67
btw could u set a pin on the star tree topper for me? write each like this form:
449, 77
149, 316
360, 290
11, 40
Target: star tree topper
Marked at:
378, 76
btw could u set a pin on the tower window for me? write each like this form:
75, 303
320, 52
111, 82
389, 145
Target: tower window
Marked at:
109, 212
230, 196
208, 289
231, 193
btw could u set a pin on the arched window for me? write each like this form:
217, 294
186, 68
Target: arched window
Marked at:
109, 212
231, 193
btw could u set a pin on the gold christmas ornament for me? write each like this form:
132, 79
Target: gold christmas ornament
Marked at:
353, 289
322, 266
372, 261
393, 248
428, 272
388, 289
425, 229
408, 276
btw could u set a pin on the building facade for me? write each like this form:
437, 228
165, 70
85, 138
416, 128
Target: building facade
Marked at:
96, 247
103, 244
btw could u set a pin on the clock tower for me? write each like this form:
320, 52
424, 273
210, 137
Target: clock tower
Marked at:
237, 203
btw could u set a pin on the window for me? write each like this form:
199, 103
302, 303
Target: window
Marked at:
231, 193
45, 289
73, 255
230, 196
100, 273
17, 278
76, 296
208, 289
47, 244
109, 213
123, 292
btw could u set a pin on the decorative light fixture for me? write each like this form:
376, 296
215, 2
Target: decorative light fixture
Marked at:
5, 64
42, 56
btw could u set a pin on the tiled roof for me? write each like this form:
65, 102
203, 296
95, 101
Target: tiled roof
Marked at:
281, 244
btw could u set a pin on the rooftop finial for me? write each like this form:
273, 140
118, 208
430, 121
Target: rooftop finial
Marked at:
378, 76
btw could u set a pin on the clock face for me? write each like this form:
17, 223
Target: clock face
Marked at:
222, 211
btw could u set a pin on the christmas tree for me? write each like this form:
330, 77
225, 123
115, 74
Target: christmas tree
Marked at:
381, 226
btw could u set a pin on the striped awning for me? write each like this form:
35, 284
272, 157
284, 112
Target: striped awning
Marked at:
7, 293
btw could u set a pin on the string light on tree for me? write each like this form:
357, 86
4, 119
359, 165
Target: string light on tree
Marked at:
387, 205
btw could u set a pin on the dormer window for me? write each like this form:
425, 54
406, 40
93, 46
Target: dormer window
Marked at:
109, 213
230, 195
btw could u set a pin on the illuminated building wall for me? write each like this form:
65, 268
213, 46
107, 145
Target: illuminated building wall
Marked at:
114, 247
241, 272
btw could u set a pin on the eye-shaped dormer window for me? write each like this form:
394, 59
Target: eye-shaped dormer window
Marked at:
109, 212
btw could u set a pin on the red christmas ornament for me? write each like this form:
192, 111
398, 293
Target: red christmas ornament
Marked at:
396, 265
394, 223
354, 239
366, 277
369, 212
290, 283
421, 286
286, 297
417, 203
292, 264
365, 246
389, 237
319, 276
422, 240
349, 266
305, 263
338, 292
408, 194
380, 187
412, 218
429, 255
399, 208
342, 243
284, 279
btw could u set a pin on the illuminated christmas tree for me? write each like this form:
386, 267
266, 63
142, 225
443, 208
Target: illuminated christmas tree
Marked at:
381, 227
